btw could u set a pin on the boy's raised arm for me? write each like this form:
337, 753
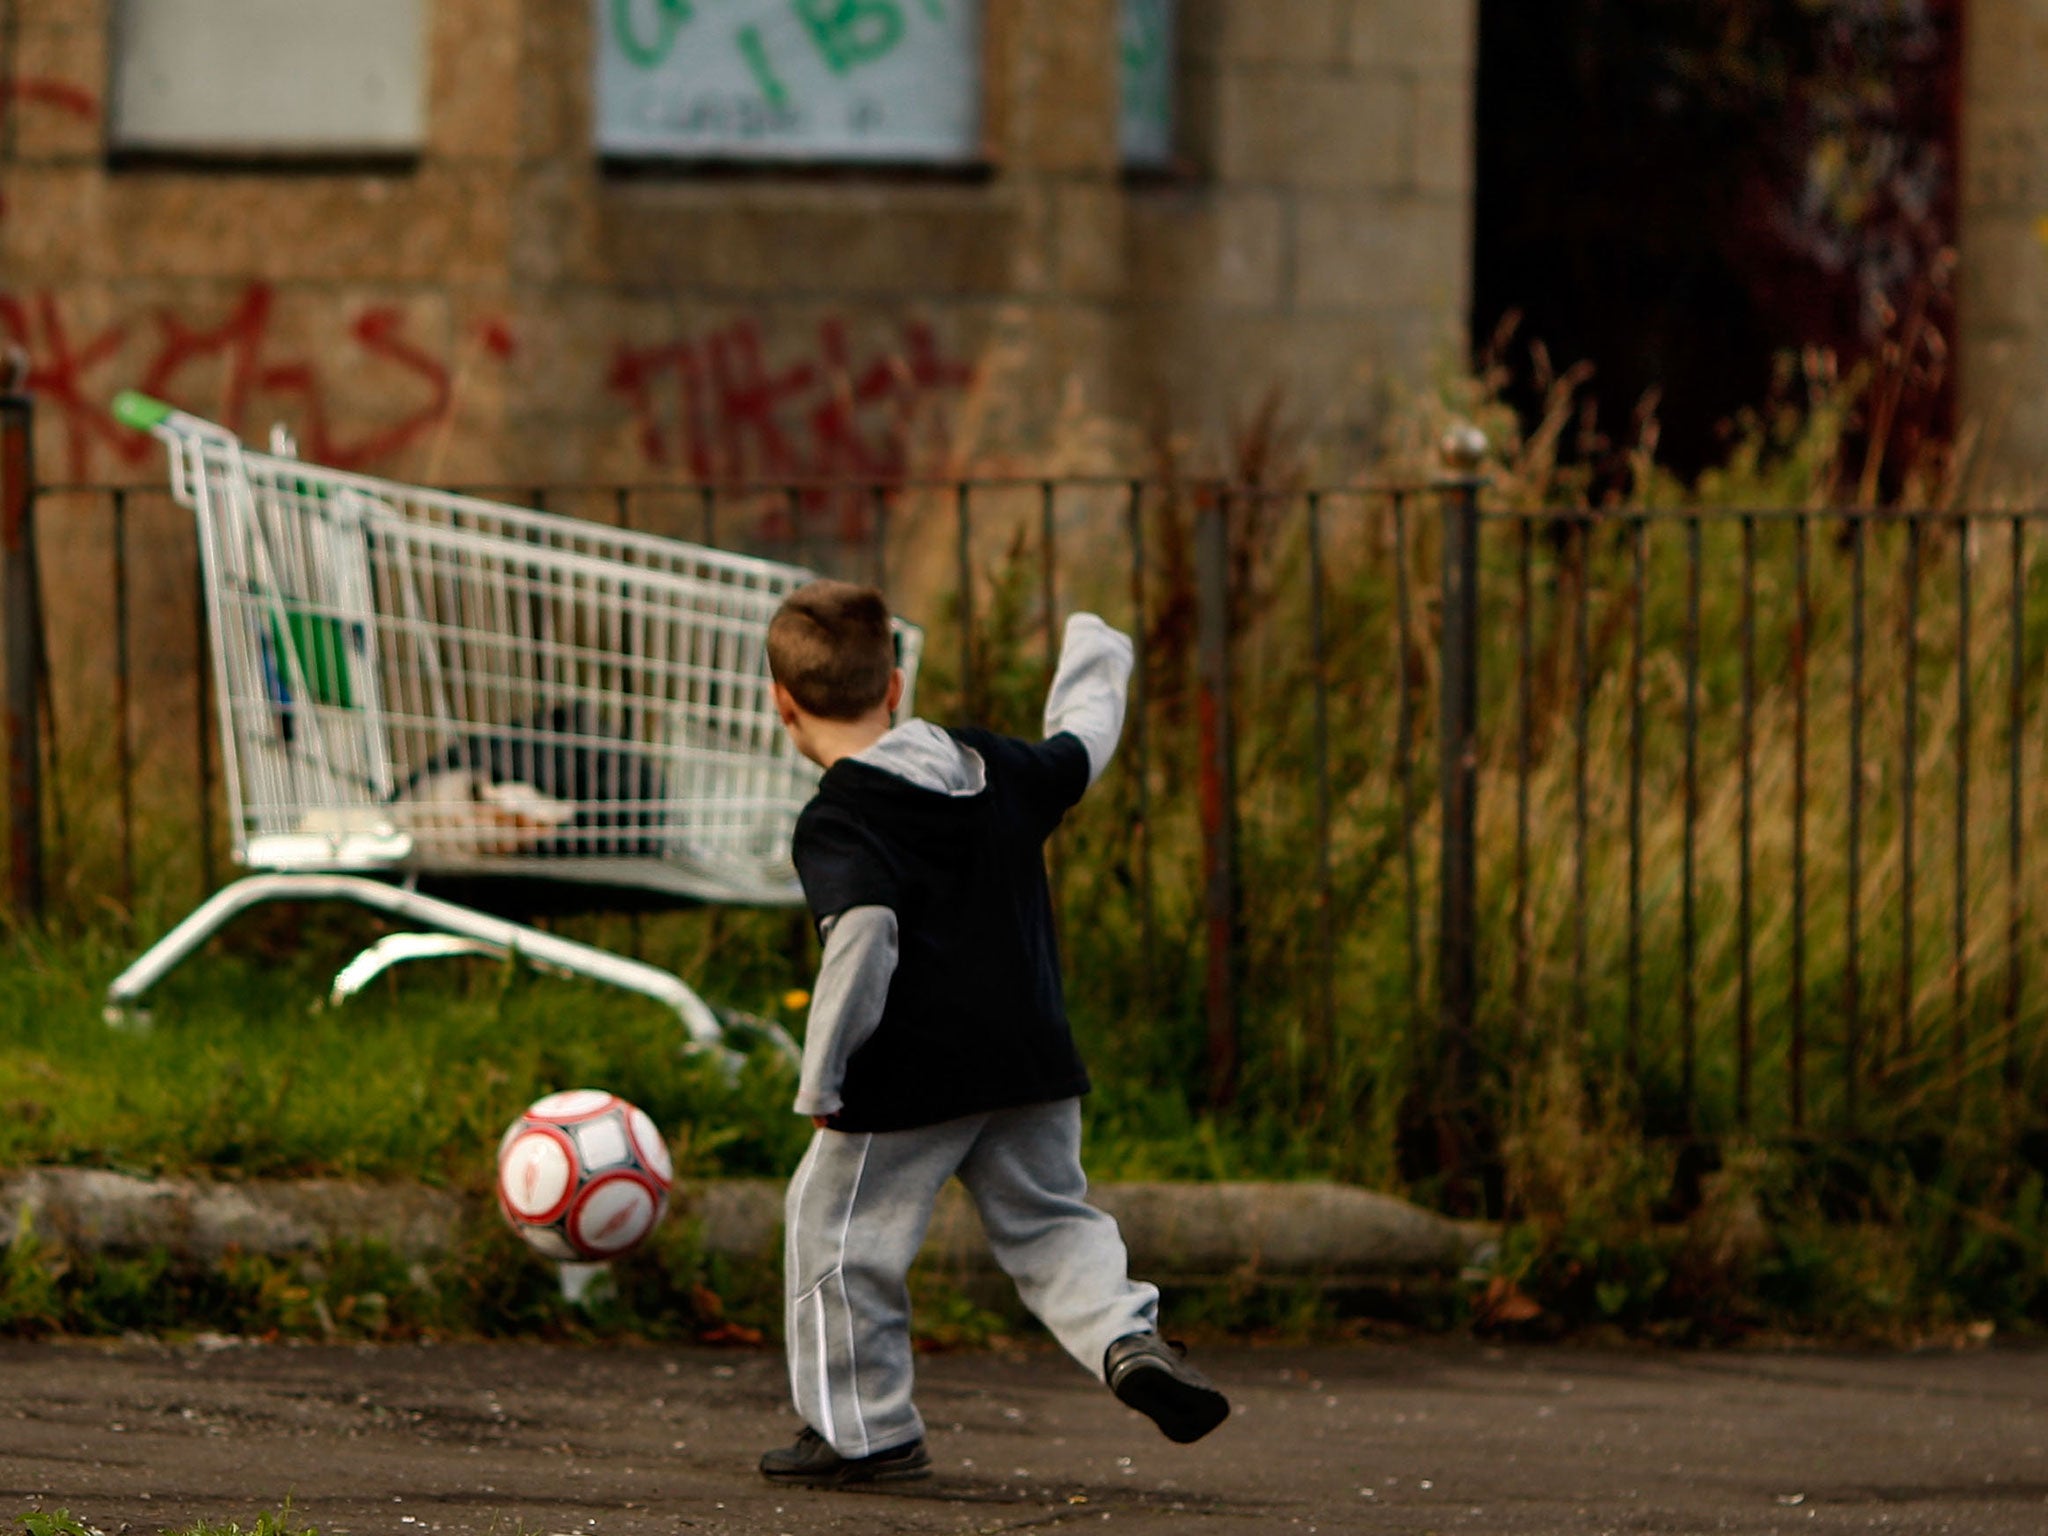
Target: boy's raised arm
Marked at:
1087, 694
846, 1003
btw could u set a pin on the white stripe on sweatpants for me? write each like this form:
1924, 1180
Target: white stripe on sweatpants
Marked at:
839, 1276
857, 1211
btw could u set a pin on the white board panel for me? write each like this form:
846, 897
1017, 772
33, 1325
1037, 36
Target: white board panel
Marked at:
856, 80
268, 75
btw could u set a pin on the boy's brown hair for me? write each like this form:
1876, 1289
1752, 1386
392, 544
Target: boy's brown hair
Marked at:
831, 646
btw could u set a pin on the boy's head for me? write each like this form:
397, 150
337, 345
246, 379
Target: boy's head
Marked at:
832, 653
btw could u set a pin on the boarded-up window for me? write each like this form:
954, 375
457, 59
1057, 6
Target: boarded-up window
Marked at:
835, 80
1145, 48
268, 76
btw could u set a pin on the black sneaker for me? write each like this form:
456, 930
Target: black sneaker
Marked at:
1149, 1374
813, 1463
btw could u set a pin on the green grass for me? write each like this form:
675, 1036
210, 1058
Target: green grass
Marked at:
243, 1067
243, 1072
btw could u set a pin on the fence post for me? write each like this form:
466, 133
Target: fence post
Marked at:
1218, 793
22, 641
1464, 451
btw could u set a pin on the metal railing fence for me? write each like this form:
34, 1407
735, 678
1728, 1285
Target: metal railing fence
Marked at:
1729, 808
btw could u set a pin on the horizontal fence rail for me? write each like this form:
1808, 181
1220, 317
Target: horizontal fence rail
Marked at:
1730, 811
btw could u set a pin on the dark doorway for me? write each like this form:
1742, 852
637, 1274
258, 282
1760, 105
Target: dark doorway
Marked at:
1679, 193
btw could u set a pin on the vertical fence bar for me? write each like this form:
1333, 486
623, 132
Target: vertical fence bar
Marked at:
23, 642
1688, 918
878, 532
1639, 573
1458, 776
1324, 1049
1959, 1026
1049, 622
1525, 751
1852, 1002
1048, 585
1582, 748
2016, 803
1141, 741
707, 515
630, 670
799, 534
1802, 623
1745, 1042
1404, 756
1218, 795
1908, 775
963, 576
124, 740
633, 681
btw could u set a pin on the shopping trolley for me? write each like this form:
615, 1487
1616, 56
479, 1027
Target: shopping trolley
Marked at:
419, 686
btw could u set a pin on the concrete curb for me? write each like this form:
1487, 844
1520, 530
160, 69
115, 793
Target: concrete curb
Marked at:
99, 1211
1235, 1231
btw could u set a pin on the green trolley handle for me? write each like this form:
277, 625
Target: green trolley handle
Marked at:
143, 412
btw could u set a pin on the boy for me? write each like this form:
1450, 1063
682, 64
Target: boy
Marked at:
938, 1041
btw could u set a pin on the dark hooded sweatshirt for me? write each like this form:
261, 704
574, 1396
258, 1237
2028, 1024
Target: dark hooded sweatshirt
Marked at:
975, 1018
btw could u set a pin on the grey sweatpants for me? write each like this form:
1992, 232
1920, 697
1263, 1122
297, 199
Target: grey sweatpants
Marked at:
857, 1210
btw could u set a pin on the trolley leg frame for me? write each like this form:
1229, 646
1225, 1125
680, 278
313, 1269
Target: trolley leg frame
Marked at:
125, 995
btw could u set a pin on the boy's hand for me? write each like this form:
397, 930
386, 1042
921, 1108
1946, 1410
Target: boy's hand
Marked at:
822, 1122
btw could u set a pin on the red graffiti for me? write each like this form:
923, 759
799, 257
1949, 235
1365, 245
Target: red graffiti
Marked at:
72, 100
714, 406
240, 344
57, 373
748, 400
60, 94
497, 338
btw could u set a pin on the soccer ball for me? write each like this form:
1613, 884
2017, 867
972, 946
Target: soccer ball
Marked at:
583, 1176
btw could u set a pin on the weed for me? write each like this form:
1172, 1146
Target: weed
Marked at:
55, 1522
269, 1523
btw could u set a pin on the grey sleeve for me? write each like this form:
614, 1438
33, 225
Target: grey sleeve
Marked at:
1087, 695
846, 1004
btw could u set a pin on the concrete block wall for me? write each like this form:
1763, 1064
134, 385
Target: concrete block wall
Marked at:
2003, 277
1324, 246
506, 309
336, 298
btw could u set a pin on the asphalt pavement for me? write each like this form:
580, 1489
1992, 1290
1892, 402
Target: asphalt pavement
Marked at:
1412, 1437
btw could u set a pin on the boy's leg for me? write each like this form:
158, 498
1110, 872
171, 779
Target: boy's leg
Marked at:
856, 1215
1066, 1257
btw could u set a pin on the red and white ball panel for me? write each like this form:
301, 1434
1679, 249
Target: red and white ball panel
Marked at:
537, 1174
648, 1143
613, 1214
576, 1104
583, 1175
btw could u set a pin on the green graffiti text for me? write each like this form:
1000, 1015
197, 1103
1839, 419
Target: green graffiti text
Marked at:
669, 19
851, 32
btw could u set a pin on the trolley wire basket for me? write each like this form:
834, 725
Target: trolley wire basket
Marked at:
416, 686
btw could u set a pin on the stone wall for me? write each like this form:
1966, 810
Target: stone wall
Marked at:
507, 309
2004, 268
